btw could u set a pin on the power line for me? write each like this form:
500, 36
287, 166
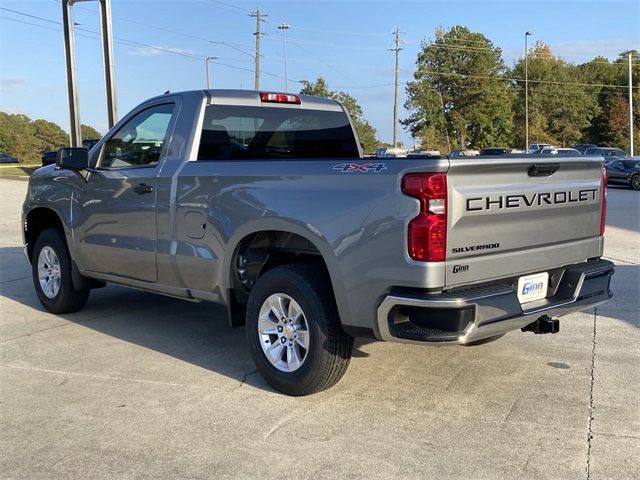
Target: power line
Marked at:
165, 29
224, 6
188, 55
125, 41
318, 60
510, 79
230, 5
42, 26
341, 32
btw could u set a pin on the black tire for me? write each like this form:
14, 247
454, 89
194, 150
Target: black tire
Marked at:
635, 182
67, 299
330, 347
483, 341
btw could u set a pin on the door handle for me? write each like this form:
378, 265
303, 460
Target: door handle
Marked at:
142, 188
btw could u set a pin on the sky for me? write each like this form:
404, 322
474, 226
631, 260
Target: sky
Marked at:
161, 45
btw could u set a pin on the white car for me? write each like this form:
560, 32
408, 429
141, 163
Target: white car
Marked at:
562, 152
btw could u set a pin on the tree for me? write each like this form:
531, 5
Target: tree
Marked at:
16, 137
464, 69
26, 139
48, 135
622, 78
318, 88
89, 133
560, 109
365, 131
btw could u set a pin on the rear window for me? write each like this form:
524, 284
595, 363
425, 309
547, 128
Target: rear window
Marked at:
242, 132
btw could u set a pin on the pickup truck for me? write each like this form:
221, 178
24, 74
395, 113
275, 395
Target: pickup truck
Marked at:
263, 202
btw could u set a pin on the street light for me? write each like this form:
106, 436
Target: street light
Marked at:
284, 27
206, 67
526, 91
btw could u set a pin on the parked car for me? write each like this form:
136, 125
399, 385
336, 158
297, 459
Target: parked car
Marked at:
495, 151
604, 152
581, 147
534, 147
49, 158
464, 153
6, 158
624, 172
562, 152
283, 229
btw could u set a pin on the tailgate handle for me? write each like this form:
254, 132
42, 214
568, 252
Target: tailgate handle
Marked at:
543, 169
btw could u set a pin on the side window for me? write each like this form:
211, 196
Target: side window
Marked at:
139, 142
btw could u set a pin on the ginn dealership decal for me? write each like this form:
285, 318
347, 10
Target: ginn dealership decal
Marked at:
498, 202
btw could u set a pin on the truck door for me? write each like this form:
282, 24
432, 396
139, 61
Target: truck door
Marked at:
115, 229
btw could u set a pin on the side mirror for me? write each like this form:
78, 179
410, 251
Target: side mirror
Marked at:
72, 158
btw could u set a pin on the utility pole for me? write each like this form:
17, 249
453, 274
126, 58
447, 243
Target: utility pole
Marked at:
526, 91
630, 108
284, 27
258, 16
396, 49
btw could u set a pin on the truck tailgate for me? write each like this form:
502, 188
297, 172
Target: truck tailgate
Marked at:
514, 215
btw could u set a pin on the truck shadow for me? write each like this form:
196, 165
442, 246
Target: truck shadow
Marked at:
197, 333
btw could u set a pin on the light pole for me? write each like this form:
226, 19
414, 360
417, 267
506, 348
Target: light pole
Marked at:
526, 90
206, 68
284, 27
630, 107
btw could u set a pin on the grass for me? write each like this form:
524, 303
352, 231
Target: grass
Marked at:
15, 169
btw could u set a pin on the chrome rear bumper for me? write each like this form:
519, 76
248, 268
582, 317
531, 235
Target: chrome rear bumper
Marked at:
469, 314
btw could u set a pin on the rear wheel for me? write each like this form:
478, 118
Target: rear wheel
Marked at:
635, 182
51, 272
293, 331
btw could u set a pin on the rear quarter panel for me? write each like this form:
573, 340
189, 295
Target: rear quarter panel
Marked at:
356, 219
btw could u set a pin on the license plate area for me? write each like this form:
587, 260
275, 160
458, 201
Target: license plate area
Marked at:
533, 287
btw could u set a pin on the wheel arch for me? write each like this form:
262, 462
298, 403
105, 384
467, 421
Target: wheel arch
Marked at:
39, 219
256, 251
36, 221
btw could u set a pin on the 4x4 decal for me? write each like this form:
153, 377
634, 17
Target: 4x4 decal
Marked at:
360, 167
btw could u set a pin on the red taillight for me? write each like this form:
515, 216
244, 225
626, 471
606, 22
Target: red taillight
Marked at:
279, 97
603, 202
427, 235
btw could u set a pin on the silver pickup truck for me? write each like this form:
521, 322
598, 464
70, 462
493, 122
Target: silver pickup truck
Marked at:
263, 202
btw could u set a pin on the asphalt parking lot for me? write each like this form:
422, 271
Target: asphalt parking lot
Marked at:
144, 386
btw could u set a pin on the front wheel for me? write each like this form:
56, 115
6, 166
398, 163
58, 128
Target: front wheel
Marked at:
294, 332
635, 182
51, 272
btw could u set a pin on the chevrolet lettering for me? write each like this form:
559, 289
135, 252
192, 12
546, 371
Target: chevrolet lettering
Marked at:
490, 202
264, 203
